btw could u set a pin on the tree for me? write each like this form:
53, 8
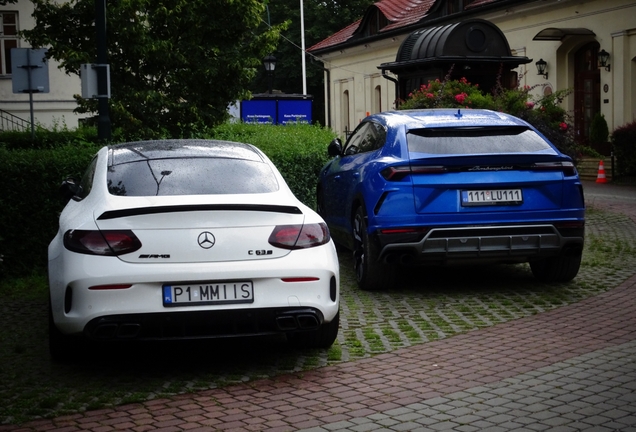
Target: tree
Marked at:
322, 19
175, 65
599, 132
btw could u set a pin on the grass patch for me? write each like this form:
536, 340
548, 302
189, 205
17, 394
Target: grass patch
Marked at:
334, 353
33, 287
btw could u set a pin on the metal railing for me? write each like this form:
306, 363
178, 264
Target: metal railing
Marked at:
10, 122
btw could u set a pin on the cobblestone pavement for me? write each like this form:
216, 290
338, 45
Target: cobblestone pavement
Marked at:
572, 368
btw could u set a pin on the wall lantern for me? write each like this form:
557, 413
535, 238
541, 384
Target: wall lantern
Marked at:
603, 57
270, 64
541, 67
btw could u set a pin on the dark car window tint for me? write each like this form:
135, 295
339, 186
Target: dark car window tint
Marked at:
367, 137
191, 176
86, 184
480, 140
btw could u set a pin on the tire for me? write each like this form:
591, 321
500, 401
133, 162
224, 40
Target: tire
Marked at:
324, 337
371, 273
556, 269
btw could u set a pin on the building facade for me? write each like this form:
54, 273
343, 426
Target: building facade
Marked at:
50, 110
567, 35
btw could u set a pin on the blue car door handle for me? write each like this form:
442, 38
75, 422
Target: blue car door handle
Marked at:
354, 175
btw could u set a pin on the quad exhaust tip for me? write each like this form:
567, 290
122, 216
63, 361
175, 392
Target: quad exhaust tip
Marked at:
117, 331
297, 322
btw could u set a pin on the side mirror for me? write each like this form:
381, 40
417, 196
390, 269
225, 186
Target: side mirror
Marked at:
69, 188
335, 147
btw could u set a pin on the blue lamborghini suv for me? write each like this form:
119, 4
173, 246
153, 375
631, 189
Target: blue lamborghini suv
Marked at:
452, 187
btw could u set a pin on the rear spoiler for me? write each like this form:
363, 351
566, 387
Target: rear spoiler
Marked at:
114, 214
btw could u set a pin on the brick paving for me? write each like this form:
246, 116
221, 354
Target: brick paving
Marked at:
567, 369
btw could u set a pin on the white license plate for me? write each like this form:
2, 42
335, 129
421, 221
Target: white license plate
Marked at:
491, 197
208, 293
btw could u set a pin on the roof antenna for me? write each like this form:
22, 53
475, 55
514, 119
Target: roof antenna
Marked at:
459, 114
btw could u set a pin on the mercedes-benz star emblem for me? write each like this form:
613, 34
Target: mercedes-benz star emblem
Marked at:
206, 240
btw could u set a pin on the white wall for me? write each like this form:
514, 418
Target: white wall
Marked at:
53, 109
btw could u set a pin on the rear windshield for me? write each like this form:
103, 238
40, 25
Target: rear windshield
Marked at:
191, 176
477, 140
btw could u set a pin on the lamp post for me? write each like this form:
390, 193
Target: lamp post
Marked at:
270, 64
103, 119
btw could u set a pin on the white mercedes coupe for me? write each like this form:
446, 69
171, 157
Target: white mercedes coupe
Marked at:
188, 239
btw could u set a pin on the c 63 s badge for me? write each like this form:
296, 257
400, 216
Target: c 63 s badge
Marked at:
260, 252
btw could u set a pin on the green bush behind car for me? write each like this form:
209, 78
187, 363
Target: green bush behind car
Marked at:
33, 169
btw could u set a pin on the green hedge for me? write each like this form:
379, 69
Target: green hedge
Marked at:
31, 203
624, 145
45, 139
298, 151
33, 171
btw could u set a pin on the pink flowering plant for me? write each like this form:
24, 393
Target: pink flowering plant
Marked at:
545, 114
447, 94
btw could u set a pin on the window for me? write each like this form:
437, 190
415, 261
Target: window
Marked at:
377, 99
367, 137
191, 176
8, 39
376, 22
477, 141
345, 111
86, 184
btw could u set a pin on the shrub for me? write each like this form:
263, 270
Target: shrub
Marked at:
624, 143
448, 94
598, 129
298, 150
31, 203
545, 114
45, 139
33, 172
554, 123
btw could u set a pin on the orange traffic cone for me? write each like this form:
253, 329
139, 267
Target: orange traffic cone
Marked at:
601, 173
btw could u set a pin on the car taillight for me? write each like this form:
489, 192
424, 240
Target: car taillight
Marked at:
568, 168
396, 173
106, 243
299, 236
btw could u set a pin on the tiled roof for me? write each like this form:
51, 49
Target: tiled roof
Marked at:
399, 13
337, 38
403, 12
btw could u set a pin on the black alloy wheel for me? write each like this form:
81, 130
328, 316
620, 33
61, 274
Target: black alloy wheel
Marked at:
371, 273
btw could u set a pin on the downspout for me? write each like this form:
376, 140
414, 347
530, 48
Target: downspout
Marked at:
397, 88
328, 101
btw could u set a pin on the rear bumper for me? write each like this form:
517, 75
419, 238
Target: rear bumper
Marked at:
75, 303
483, 244
203, 324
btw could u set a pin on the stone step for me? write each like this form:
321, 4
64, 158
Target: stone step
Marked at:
588, 168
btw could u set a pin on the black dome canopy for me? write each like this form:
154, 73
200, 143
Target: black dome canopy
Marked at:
474, 48
476, 40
